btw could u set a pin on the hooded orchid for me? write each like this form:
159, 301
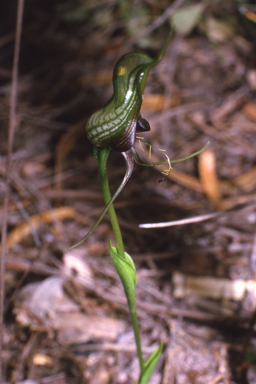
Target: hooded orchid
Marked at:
115, 127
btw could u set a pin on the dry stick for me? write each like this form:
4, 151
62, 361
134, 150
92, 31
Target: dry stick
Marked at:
12, 124
189, 220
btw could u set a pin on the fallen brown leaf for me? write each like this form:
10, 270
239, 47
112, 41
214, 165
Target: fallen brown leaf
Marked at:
22, 230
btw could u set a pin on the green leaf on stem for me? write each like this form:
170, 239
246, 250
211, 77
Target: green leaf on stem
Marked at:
150, 364
126, 270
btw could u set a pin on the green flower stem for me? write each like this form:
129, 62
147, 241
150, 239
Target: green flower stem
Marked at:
111, 211
101, 156
135, 326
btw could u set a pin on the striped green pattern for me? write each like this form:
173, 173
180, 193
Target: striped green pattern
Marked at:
117, 119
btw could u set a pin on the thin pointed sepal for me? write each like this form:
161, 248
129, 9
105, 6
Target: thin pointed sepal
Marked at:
192, 154
101, 156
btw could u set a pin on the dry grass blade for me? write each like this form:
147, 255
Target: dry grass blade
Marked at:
12, 124
189, 220
208, 177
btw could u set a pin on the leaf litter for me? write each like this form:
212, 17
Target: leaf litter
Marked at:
66, 319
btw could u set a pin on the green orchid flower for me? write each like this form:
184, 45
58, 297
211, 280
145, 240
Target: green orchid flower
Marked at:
116, 125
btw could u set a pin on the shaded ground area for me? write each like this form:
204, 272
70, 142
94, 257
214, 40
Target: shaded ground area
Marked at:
66, 317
